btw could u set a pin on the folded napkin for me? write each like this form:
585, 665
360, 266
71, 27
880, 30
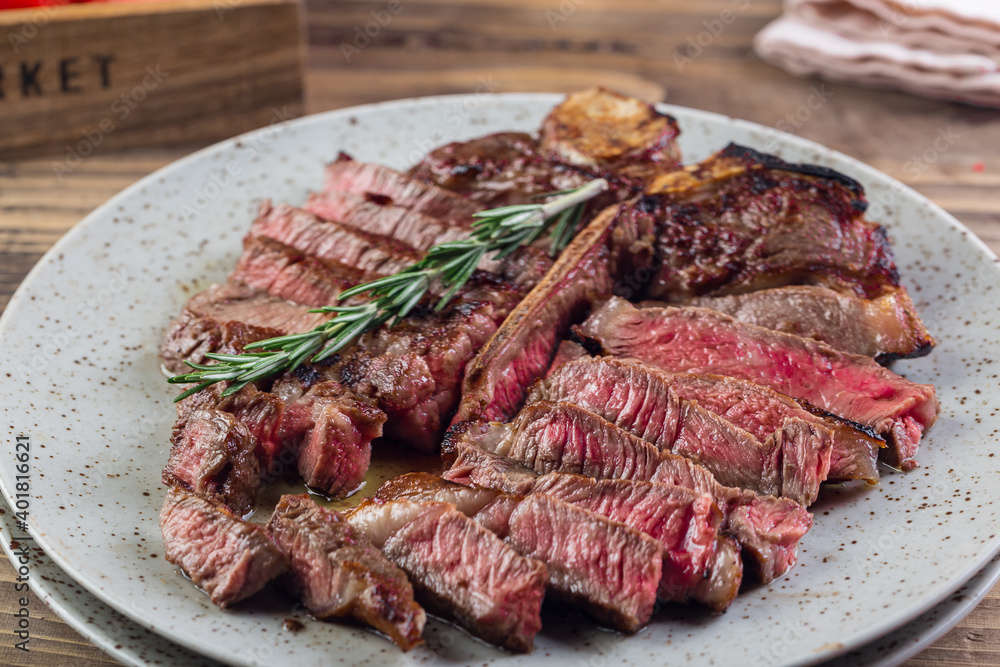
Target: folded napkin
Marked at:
946, 49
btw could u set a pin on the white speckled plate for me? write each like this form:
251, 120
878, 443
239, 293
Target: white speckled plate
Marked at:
80, 338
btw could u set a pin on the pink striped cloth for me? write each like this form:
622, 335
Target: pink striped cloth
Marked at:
945, 49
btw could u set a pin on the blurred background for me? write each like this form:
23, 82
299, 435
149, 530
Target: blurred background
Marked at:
256, 62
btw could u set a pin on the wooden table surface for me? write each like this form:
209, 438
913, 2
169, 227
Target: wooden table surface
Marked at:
947, 152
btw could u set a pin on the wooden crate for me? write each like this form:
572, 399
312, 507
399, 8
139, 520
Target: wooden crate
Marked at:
77, 79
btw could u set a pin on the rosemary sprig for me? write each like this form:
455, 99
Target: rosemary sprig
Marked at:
450, 265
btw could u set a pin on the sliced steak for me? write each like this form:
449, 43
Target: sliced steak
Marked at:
886, 327
763, 412
366, 178
698, 564
685, 522
260, 412
190, 338
332, 431
459, 569
498, 170
283, 271
212, 454
605, 131
742, 220
522, 348
566, 438
698, 340
228, 558
609, 569
329, 240
791, 461
337, 572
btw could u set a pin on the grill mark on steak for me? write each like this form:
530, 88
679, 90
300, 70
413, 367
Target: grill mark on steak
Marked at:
886, 327
212, 454
791, 461
704, 341
338, 572
566, 438
459, 569
726, 229
228, 558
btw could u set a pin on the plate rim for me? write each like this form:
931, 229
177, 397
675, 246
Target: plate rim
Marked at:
858, 640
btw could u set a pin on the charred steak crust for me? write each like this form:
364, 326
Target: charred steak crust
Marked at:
337, 572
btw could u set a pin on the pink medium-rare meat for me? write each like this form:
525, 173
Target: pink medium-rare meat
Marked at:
885, 327
566, 438
698, 340
790, 463
228, 558
212, 454
337, 572
332, 431
458, 568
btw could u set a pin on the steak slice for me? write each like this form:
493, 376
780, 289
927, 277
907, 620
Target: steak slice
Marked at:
742, 220
791, 461
283, 271
337, 572
566, 438
604, 131
228, 558
698, 340
211, 454
190, 338
684, 522
499, 170
763, 411
611, 570
260, 412
366, 178
520, 351
459, 569
886, 327
332, 431
330, 240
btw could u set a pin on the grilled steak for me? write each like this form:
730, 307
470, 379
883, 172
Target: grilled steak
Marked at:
522, 348
498, 170
225, 556
566, 438
329, 240
363, 178
332, 430
212, 454
697, 564
337, 572
604, 131
704, 341
612, 571
459, 569
189, 338
260, 412
285, 272
886, 327
743, 220
791, 462
763, 412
